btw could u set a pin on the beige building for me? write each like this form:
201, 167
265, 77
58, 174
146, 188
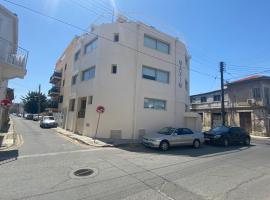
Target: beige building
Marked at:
13, 58
247, 104
139, 74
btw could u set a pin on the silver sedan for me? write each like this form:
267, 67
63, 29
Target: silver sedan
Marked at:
168, 137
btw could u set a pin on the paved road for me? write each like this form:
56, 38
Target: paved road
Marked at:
46, 162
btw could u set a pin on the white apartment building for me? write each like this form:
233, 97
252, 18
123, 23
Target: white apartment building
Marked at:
13, 58
139, 74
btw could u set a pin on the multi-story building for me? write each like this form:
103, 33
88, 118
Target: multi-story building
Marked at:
13, 58
139, 74
247, 104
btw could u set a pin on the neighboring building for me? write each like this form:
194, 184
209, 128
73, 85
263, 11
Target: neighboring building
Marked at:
140, 76
247, 104
13, 58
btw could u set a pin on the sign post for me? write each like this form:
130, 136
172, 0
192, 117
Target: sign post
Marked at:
100, 110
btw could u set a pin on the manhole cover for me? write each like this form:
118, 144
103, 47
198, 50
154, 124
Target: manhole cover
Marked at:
83, 172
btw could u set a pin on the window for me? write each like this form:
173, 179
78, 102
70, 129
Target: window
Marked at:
156, 44
186, 85
266, 92
154, 104
184, 131
90, 99
256, 92
203, 99
81, 113
77, 55
155, 74
63, 83
74, 79
61, 99
88, 74
116, 37
65, 67
90, 46
71, 104
114, 69
216, 97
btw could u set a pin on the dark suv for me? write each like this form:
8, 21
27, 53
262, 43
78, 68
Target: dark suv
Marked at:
227, 135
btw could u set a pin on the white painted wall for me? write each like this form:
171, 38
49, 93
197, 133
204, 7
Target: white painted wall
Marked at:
123, 94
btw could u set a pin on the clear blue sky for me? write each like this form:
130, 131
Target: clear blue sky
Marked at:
234, 31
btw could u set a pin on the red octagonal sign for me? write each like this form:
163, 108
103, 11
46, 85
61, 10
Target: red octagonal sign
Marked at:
100, 109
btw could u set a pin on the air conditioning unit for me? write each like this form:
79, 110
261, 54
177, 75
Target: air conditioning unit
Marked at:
251, 101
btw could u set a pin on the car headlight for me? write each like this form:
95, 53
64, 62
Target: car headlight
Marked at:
217, 136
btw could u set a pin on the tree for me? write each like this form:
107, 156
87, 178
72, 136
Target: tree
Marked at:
30, 102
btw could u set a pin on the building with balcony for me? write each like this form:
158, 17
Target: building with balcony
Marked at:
139, 74
247, 104
13, 58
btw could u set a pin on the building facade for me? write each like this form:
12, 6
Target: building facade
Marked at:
13, 58
139, 74
247, 104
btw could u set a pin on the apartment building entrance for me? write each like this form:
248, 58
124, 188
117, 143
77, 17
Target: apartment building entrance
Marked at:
216, 120
80, 115
245, 121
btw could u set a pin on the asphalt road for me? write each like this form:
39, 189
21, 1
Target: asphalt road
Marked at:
42, 168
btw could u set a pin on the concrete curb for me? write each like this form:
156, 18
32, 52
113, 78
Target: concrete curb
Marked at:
82, 139
259, 137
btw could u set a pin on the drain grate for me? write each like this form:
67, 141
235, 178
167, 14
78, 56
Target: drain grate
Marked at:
83, 172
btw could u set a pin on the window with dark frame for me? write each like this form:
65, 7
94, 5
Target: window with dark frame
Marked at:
116, 37
74, 79
63, 82
203, 99
90, 99
217, 97
88, 73
65, 67
61, 99
114, 69
77, 55
71, 104
256, 93
155, 74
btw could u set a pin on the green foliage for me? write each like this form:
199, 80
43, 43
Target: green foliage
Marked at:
30, 102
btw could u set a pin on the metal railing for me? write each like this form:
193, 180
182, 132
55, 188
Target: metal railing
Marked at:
54, 90
12, 54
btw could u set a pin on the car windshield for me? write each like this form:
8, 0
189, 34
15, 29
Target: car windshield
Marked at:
166, 131
48, 118
219, 129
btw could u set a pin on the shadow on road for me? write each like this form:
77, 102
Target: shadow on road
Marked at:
8, 156
205, 150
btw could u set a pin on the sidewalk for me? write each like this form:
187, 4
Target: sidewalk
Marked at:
8, 138
82, 139
259, 137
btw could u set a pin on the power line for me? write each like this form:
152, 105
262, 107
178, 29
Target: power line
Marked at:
100, 36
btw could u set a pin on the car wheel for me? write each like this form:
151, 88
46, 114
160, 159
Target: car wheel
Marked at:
247, 141
225, 142
196, 144
164, 146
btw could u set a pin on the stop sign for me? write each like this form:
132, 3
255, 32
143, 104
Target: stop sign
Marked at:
100, 109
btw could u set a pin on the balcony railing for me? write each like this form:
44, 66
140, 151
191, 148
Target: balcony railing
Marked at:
53, 104
13, 54
209, 105
54, 91
57, 76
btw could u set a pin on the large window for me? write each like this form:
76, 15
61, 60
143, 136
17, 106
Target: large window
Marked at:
88, 74
90, 46
156, 44
216, 97
154, 104
256, 93
155, 74
203, 99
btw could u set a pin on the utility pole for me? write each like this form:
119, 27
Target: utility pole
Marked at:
39, 100
222, 93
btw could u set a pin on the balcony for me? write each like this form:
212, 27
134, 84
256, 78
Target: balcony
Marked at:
13, 60
56, 77
208, 105
54, 92
53, 104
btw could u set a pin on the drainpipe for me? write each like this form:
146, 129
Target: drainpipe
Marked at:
135, 84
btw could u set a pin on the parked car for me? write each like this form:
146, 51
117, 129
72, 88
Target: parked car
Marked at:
29, 116
48, 122
227, 135
168, 137
37, 117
